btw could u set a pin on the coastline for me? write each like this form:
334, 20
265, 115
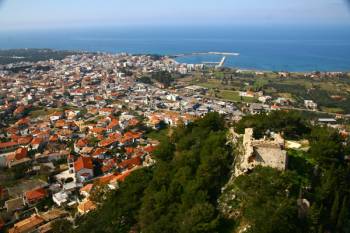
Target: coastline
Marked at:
176, 58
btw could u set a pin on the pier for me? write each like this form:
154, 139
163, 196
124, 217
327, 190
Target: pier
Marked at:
206, 53
219, 64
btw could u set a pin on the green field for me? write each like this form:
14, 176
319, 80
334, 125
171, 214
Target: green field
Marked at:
331, 94
234, 96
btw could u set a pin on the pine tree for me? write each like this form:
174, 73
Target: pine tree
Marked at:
314, 218
335, 209
343, 215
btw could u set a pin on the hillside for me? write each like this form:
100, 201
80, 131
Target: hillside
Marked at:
189, 190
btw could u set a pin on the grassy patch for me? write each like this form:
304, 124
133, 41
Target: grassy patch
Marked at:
332, 110
210, 84
234, 96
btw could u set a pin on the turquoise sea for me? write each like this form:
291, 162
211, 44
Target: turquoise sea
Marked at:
289, 48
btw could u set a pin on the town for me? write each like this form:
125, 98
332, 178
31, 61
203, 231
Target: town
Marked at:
70, 126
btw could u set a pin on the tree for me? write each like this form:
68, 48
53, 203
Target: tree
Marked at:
290, 123
335, 209
163, 77
165, 151
200, 218
145, 79
61, 226
326, 147
99, 193
343, 222
259, 84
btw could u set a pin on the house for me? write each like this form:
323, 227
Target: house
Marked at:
27, 225
109, 142
17, 159
15, 204
113, 126
247, 94
37, 143
130, 137
55, 116
256, 108
23, 140
130, 163
33, 196
106, 111
83, 168
97, 131
327, 121
310, 104
108, 165
86, 206
85, 191
8, 146
80, 144
19, 155
38, 222
99, 153
60, 198
124, 175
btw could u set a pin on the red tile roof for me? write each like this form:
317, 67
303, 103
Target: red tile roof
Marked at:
54, 138
108, 165
122, 177
107, 142
23, 121
82, 142
37, 141
114, 123
4, 145
129, 150
19, 110
87, 188
149, 149
99, 151
106, 179
98, 130
24, 140
21, 153
35, 194
133, 122
83, 162
130, 163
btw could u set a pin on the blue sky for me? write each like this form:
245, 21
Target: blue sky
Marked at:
86, 13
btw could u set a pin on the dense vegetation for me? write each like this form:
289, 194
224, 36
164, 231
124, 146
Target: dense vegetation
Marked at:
291, 124
31, 55
312, 196
178, 194
162, 77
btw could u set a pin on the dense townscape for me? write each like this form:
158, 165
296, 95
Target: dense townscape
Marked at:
74, 130
83, 119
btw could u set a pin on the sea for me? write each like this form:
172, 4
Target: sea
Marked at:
265, 48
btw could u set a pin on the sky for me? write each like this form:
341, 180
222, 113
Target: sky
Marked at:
28, 14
